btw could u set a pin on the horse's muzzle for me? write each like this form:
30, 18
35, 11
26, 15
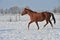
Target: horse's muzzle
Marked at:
22, 14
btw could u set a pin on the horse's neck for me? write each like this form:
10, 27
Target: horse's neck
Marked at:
30, 13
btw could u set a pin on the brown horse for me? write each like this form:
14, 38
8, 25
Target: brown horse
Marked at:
36, 17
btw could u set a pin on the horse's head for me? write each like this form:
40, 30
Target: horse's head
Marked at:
24, 11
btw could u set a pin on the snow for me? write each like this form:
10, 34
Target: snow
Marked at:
17, 30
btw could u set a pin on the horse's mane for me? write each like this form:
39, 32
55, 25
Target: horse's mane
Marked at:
30, 10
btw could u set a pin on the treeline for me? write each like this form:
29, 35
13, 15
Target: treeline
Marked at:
56, 10
17, 10
11, 10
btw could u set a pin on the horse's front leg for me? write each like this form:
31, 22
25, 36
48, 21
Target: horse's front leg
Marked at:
37, 25
29, 24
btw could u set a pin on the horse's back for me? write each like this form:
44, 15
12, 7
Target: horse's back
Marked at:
47, 14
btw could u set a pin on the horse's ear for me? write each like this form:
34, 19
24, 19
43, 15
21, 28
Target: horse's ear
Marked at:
25, 8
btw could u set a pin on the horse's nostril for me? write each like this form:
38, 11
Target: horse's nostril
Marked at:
22, 14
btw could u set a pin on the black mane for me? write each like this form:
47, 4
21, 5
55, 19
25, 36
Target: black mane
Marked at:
30, 10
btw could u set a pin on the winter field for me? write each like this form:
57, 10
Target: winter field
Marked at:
13, 27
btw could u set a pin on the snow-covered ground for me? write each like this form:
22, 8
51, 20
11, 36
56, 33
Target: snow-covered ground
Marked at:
17, 30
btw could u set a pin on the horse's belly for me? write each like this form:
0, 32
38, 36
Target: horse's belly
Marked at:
41, 19
37, 18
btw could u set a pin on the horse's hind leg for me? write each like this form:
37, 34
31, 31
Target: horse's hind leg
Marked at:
45, 24
37, 25
51, 23
29, 24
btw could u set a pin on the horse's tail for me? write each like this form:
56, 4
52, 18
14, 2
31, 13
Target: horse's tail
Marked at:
53, 18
